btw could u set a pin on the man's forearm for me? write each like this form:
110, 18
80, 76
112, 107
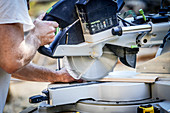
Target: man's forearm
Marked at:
28, 48
32, 72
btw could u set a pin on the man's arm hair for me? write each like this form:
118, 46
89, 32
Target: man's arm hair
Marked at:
15, 52
32, 72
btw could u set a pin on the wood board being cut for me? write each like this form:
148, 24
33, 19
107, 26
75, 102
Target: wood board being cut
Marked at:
160, 64
129, 76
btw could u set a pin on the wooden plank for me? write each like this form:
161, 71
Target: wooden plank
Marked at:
142, 79
157, 74
129, 76
160, 64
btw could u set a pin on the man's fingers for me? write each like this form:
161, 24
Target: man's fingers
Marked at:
52, 23
70, 79
51, 30
51, 36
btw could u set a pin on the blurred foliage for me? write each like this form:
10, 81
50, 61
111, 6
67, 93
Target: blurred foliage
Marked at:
40, 7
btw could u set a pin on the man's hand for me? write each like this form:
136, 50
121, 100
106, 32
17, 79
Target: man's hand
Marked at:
44, 30
64, 76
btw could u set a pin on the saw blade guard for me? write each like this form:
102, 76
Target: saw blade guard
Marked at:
88, 68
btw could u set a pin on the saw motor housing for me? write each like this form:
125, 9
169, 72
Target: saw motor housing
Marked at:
97, 18
93, 19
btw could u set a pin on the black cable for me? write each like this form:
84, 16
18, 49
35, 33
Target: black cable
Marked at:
132, 24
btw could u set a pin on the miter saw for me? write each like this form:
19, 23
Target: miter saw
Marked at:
91, 38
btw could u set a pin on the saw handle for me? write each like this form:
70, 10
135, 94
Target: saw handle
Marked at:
49, 51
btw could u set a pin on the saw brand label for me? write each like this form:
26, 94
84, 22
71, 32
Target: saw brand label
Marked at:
101, 25
96, 18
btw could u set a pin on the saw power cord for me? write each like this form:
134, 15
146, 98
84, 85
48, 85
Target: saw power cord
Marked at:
132, 24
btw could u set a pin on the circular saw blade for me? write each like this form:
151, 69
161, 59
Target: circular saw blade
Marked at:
88, 68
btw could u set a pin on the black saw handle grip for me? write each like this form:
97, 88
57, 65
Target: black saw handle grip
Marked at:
51, 49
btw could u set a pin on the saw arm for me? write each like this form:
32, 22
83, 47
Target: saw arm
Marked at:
92, 44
